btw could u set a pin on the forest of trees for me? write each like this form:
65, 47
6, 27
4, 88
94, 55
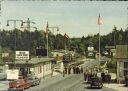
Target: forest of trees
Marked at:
26, 40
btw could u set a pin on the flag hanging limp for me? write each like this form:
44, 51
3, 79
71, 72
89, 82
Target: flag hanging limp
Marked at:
100, 22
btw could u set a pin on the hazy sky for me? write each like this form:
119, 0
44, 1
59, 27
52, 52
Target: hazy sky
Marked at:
76, 18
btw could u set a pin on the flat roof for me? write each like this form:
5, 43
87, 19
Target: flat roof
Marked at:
34, 61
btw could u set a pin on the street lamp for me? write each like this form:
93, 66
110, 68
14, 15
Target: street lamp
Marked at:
28, 22
14, 22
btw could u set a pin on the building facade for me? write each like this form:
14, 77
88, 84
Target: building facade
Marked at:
122, 62
40, 67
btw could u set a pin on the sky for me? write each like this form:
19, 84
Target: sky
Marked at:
75, 18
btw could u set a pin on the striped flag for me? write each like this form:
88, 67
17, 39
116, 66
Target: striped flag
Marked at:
100, 22
66, 36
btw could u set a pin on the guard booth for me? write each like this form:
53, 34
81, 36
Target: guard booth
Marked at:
122, 62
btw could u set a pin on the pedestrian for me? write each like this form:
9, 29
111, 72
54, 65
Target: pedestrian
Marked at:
81, 69
65, 70
77, 70
109, 78
69, 70
85, 76
73, 70
63, 73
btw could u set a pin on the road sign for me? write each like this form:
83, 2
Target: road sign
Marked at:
22, 55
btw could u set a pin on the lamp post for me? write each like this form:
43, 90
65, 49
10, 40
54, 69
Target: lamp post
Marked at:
14, 22
28, 27
28, 22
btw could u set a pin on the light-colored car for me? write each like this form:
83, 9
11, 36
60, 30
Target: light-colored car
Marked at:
33, 80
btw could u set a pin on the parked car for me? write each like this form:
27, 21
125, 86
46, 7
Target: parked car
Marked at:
18, 85
33, 80
3, 76
96, 82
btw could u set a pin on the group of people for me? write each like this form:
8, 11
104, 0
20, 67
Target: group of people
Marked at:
73, 70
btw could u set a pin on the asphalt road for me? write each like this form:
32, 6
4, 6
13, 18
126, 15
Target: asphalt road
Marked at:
70, 83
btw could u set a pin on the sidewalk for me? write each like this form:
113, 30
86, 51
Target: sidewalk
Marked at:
117, 87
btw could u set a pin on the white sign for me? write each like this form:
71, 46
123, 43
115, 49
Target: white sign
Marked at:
23, 55
99, 74
12, 74
5, 55
90, 48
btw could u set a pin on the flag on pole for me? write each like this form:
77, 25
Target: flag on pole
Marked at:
66, 36
47, 29
100, 22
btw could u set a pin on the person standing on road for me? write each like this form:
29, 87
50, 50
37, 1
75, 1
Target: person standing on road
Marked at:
85, 76
81, 69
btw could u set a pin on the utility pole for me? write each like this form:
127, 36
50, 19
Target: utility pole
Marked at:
28, 27
28, 22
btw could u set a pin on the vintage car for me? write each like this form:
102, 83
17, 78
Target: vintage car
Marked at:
33, 80
18, 85
96, 82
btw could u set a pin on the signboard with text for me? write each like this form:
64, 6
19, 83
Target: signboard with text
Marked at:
22, 55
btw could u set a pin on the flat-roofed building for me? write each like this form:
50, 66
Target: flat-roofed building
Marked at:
40, 67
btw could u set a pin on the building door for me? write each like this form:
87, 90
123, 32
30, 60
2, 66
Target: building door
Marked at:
23, 71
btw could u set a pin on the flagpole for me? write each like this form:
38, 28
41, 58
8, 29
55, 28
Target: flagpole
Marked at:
99, 23
47, 29
99, 42
47, 45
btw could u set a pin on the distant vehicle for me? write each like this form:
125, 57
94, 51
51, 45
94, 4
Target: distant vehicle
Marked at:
67, 58
18, 85
96, 82
33, 80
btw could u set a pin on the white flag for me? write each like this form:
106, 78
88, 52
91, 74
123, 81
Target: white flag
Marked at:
100, 20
